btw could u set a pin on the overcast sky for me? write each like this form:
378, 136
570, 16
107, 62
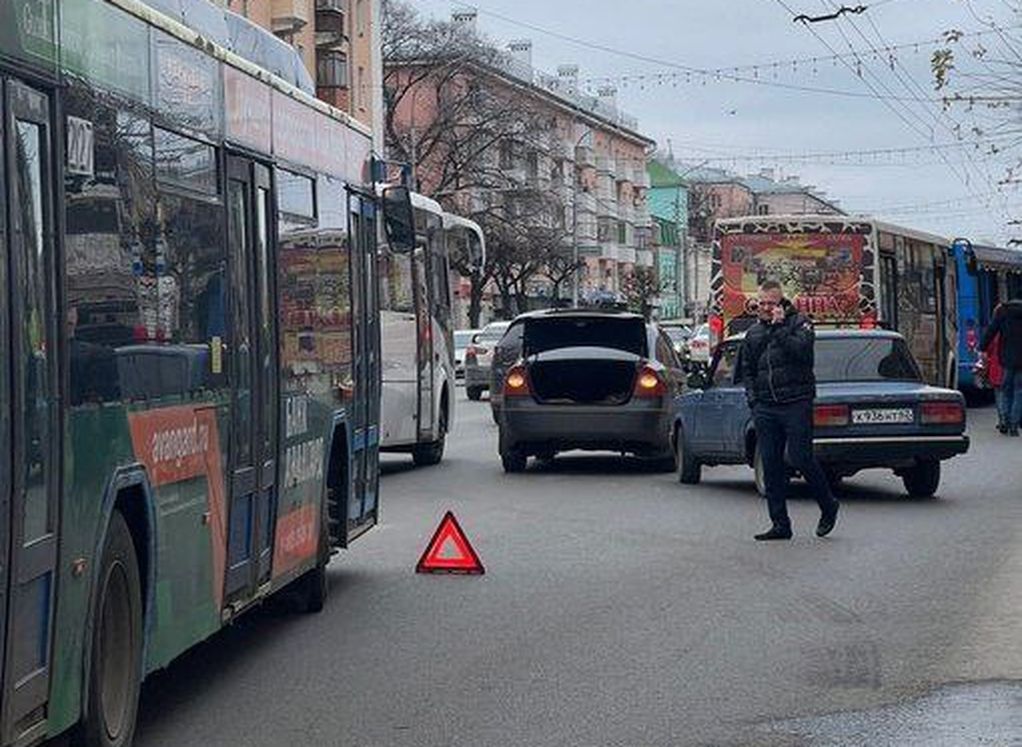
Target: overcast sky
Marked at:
703, 119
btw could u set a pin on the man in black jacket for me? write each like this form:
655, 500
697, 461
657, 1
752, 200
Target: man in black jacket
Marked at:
1008, 324
777, 370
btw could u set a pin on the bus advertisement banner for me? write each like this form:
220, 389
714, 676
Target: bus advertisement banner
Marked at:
820, 273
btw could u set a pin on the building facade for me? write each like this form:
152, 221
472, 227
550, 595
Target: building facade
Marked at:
592, 158
668, 205
339, 44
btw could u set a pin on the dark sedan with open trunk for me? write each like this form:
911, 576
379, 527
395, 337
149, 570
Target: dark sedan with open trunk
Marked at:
593, 380
872, 409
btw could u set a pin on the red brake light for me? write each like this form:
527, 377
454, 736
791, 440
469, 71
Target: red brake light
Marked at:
943, 413
649, 384
868, 322
830, 415
516, 383
470, 352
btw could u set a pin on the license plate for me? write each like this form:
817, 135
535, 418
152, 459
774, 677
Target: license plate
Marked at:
890, 415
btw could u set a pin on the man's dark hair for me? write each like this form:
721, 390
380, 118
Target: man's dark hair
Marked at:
771, 285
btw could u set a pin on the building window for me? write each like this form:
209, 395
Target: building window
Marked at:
363, 94
762, 210
714, 201
332, 70
507, 155
622, 232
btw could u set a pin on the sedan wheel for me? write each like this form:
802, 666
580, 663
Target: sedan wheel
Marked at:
514, 461
922, 480
689, 469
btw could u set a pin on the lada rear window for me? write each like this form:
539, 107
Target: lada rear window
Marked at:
864, 359
628, 335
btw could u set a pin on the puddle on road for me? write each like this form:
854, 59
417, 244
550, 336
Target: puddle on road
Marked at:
965, 715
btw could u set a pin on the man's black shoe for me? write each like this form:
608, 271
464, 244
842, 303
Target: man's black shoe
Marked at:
827, 520
1013, 432
774, 534
1002, 428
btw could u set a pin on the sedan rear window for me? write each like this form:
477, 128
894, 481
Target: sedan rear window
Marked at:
864, 359
628, 335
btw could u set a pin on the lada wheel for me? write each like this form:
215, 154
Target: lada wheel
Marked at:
689, 468
922, 480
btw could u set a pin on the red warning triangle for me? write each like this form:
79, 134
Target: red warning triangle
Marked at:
449, 551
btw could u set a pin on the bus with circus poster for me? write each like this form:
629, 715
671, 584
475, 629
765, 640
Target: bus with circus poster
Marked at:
842, 271
189, 388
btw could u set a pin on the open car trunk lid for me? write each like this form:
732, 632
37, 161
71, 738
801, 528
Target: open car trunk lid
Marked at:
583, 375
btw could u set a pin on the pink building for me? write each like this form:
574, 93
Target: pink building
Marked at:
593, 159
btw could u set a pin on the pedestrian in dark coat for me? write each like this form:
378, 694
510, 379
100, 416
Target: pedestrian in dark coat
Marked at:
1006, 331
777, 370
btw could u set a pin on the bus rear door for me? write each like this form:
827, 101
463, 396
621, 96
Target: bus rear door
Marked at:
253, 370
365, 410
28, 430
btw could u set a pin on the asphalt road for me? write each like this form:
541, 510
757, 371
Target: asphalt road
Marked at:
621, 608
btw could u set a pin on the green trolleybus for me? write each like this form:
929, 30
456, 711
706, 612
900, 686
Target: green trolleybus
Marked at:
189, 388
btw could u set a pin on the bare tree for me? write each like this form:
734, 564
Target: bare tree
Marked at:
641, 288
478, 142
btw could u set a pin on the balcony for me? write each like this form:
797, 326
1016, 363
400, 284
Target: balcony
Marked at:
640, 177
288, 16
585, 157
330, 24
644, 258
626, 254
642, 216
606, 208
606, 165
624, 171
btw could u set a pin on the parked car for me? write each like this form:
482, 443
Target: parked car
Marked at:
698, 345
872, 410
594, 380
679, 335
506, 353
479, 356
462, 339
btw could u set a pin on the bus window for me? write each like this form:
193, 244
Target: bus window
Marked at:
185, 162
109, 252
889, 290
296, 195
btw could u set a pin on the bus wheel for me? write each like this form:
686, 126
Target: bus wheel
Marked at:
429, 454
114, 676
312, 589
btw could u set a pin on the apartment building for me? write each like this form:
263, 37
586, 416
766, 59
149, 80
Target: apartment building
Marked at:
594, 161
339, 43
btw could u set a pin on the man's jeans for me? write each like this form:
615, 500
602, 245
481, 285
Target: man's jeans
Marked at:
790, 425
1011, 397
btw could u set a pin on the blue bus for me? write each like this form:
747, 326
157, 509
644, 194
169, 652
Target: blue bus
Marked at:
986, 276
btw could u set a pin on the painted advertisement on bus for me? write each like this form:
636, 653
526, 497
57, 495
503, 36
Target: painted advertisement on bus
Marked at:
821, 273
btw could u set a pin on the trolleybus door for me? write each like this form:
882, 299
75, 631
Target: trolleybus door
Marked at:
28, 432
253, 355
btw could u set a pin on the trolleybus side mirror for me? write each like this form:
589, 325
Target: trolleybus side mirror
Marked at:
398, 219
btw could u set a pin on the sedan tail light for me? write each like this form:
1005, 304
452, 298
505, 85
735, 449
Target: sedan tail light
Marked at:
516, 383
826, 416
649, 384
471, 353
943, 413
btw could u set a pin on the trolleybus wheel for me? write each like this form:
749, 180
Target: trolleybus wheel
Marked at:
115, 673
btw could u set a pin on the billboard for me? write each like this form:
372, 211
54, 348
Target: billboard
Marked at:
821, 273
